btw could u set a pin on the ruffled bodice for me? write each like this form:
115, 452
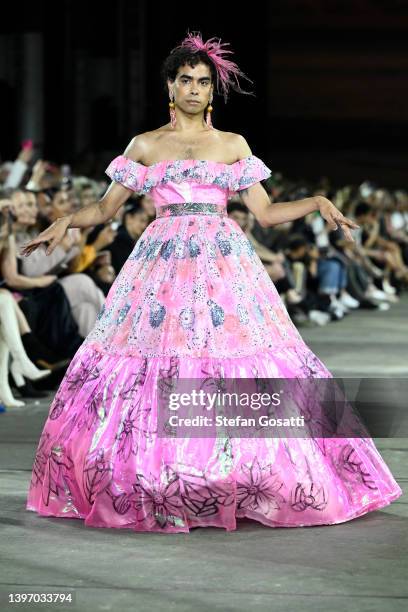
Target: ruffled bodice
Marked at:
188, 180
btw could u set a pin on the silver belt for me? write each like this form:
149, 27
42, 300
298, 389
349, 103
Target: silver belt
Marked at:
191, 208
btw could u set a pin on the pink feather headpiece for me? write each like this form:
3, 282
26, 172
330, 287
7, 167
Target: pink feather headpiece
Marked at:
226, 70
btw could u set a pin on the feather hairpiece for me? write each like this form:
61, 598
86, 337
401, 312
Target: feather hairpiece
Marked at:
227, 71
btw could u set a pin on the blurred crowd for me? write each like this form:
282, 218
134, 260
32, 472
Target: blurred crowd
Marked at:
49, 304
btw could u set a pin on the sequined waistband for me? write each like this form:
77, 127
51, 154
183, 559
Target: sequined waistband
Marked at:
191, 208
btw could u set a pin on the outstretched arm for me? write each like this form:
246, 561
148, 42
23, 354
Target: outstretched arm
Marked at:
267, 214
93, 214
114, 197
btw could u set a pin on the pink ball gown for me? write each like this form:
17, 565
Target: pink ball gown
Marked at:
193, 299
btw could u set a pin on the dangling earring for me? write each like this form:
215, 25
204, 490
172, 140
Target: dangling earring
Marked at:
173, 117
208, 117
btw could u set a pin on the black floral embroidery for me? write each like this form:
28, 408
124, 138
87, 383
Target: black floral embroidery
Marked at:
258, 488
61, 399
311, 366
68, 427
159, 502
57, 409
97, 475
319, 412
215, 380
169, 500
40, 460
121, 503
133, 427
308, 496
93, 412
202, 499
350, 468
168, 377
57, 475
135, 380
85, 372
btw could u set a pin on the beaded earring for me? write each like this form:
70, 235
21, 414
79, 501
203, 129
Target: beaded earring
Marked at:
172, 107
208, 117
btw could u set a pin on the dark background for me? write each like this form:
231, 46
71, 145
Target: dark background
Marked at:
330, 77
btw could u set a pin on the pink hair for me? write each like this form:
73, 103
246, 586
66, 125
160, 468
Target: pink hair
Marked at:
226, 70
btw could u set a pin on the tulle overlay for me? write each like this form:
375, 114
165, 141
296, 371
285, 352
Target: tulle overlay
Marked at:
193, 300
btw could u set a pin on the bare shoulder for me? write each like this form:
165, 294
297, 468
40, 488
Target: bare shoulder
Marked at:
139, 146
239, 145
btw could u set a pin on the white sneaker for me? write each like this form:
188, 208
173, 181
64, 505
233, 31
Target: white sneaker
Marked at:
377, 294
319, 317
337, 312
389, 289
377, 272
394, 299
383, 306
347, 300
339, 306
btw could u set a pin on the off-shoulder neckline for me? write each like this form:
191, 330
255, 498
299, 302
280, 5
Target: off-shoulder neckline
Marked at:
172, 161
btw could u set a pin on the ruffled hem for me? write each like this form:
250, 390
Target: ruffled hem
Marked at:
232, 177
371, 506
99, 458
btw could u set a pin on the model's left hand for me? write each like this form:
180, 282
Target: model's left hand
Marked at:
334, 218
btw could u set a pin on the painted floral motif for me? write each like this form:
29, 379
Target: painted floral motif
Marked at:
40, 460
134, 427
350, 467
158, 502
308, 496
52, 469
97, 475
258, 488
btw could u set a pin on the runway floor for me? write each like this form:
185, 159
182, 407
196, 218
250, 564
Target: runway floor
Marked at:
361, 565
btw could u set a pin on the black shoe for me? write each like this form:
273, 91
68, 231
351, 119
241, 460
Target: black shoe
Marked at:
35, 349
335, 314
54, 367
366, 304
42, 356
28, 390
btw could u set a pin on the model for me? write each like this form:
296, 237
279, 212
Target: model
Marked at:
193, 300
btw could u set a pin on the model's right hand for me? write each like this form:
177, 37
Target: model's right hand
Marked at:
52, 235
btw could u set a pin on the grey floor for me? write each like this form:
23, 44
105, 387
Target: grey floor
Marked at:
360, 565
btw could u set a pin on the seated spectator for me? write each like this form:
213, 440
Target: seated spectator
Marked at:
384, 252
303, 257
16, 336
274, 263
94, 241
102, 271
84, 297
360, 274
134, 222
388, 206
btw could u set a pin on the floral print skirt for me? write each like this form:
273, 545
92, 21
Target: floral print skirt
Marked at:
193, 300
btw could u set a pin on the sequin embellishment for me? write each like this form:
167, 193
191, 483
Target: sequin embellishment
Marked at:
192, 208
